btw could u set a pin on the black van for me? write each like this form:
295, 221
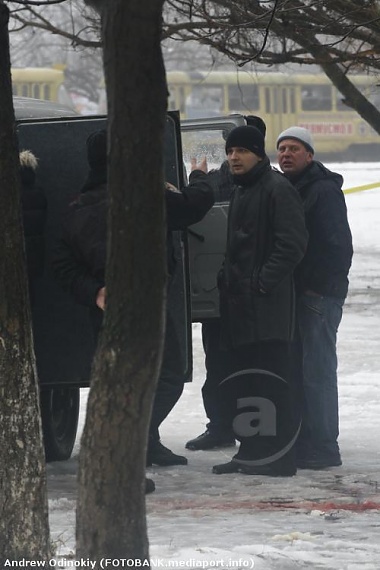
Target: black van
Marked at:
63, 340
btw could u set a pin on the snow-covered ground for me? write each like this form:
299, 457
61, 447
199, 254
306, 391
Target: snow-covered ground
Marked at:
319, 519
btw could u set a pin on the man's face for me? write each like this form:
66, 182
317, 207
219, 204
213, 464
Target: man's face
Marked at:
241, 160
293, 157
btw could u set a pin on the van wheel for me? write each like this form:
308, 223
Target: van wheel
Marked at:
59, 413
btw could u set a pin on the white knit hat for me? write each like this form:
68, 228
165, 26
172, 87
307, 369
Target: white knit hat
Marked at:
299, 134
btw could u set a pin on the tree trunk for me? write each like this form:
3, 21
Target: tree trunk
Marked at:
24, 529
111, 504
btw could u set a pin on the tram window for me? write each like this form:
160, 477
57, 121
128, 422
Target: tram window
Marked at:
374, 96
268, 107
243, 97
205, 101
284, 101
47, 94
316, 97
292, 101
36, 91
276, 96
340, 105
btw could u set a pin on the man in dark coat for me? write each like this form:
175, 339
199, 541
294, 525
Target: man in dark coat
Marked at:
80, 259
219, 432
321, 285
266, 240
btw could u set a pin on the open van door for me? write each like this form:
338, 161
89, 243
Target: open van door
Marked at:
63, 338
207, 239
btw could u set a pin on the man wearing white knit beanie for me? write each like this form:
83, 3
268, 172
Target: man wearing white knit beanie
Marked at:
321, 286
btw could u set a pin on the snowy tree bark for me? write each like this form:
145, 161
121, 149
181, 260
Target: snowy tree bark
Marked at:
111, 518
24, 530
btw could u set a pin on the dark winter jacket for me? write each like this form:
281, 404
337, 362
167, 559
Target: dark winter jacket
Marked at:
266, 239
184, 209
80, 256
34, 209
222, 182
327, 261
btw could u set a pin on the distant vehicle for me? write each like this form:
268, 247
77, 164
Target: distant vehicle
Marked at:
282, 100
63, 338
40, 83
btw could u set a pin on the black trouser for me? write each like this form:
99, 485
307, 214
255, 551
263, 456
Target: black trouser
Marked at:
264, 401
216, 405
315, 371
171, 380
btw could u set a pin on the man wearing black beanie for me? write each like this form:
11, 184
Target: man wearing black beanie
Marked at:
266, 240
247, 137
219, 433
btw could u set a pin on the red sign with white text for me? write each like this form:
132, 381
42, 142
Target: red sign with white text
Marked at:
331, 128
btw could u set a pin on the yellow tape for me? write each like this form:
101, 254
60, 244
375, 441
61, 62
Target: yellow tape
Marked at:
362, 188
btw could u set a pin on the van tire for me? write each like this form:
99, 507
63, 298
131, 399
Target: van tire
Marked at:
59, 414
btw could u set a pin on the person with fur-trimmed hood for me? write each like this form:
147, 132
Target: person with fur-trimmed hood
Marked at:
34, 211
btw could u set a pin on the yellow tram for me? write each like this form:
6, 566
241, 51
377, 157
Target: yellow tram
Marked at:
282, 100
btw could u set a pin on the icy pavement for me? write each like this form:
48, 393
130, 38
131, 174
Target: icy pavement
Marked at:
318, 519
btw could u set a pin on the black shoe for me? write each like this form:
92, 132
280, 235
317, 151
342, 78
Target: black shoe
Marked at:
209, 440
271, 471
264, 470
149, 486
318, 463
158, 454
224, 468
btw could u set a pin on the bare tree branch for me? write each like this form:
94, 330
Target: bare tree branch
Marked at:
45, 24
38, 3
266, 32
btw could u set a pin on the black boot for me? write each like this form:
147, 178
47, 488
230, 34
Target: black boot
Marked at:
158, 454
265, 470
224, 468
149, 486
211, 440
318, 463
